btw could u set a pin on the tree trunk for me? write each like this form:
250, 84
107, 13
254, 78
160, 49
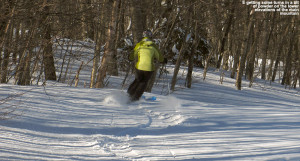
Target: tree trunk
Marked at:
271, 64
5, 38
264, 50
228, 52
138, 20
84, 28
214, 38
77, 74
191, 57
228, 26
25, 55
96, 60
109, 57
177, 65
190, 70
279, 52
99, 37
207, 64
48, 59
286, 80
251, 61
50, 72
245, 45
236, 60
25, 77
265, 46
6, 25
6, 55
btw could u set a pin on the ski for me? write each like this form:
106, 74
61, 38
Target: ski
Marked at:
153, 98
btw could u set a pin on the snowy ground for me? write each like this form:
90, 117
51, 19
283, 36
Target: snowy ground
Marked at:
209, 122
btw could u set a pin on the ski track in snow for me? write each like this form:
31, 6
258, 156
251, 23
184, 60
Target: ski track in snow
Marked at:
119, 145
208, 122
50, 127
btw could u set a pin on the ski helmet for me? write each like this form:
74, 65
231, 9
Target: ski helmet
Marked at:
147, 33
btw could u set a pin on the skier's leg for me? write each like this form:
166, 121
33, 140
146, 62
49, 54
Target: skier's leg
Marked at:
134, 85
145, 77
139, 90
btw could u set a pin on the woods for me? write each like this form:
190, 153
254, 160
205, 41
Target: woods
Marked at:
225, 35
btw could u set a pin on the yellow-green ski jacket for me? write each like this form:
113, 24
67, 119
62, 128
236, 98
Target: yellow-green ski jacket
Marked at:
145, 51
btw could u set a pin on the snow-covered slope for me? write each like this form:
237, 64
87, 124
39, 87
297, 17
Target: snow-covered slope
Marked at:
210, 122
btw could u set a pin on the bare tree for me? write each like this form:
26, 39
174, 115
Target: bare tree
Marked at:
225, 35
108, 59
245, 44
98, 38
281, 40
48, 59
268, 29
286, 80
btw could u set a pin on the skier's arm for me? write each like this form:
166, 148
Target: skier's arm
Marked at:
133, 54
158, 54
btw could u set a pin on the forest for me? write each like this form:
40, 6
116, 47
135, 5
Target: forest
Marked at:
223, 34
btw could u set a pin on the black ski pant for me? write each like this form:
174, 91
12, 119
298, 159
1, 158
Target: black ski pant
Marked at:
138, 86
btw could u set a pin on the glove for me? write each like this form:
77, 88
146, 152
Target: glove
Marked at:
130, 57
165, 61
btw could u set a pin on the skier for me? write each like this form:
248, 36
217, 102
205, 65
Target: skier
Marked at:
145, 51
